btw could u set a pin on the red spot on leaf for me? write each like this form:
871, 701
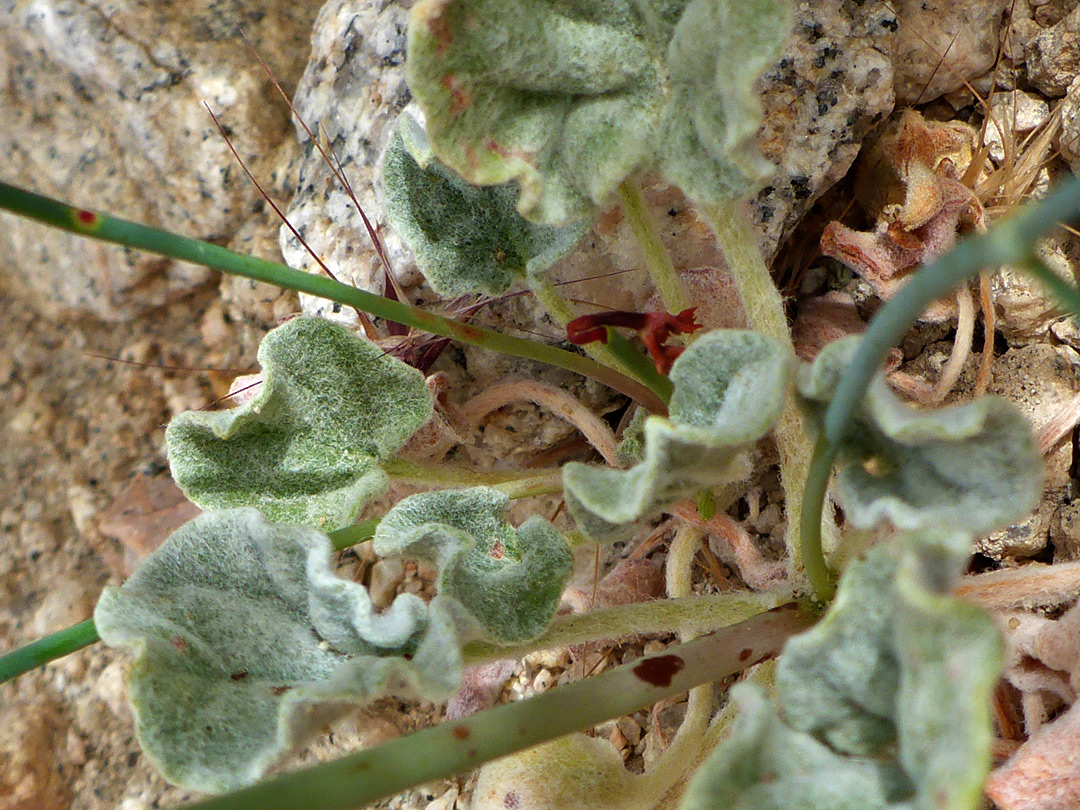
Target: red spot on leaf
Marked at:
659, 671
511, 801
460, 97
179, 644
497, 551
745, 654
460, 732
278, 691
238, 676
439, 28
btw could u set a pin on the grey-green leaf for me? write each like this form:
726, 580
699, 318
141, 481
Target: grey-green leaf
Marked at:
883, 704
307, 448
729, 389
508, 580
971, 467
465, 238
767, 765
570, 98
245, 642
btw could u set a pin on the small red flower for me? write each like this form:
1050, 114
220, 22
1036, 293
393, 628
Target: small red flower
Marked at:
655, 328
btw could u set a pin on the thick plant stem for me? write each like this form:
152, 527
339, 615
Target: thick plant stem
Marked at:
657, 259
131, 234
1011, 241
40, 652
764, 310
691, 615
515, 483
366, 776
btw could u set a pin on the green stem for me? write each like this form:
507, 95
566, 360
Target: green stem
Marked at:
366, 776
694, 615
131, 234
44, 650
1011, 241
817, 482
351, 535
764, 310
657, 258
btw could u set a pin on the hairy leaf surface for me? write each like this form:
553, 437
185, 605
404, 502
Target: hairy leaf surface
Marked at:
568, 98
885, 703
508, 580
729, 388
307, 448
465, 238
971, 467
245, 642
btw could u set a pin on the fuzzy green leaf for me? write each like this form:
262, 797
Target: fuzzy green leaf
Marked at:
465, 238
245, 642
884, 703
508, 580
729, 388
570, 98
971, 467
307, 448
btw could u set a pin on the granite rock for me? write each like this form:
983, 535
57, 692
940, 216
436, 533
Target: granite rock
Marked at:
1053, 56
943, 43
103, 107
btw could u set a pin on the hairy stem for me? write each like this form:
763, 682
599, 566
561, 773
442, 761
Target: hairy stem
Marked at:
657, 259
690, 615
1011, 241
764, 310
131, 234
512, 482
366, 776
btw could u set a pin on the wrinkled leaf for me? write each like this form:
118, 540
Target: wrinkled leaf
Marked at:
729, 388
245, 642
307, 448
465, 238
570, 98
508, 580
885, 703
971, 467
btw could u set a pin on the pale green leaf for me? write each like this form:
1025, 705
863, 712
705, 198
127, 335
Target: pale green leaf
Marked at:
885, 703
465, 238
729, 388
508, 580
570, 97
767, 765
971, 467
307, 448
245, 642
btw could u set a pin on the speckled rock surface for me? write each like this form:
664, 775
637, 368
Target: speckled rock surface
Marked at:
351, 94
1069, 137
832, 85
103, 106
942, 43
1053, 55
1039, 379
